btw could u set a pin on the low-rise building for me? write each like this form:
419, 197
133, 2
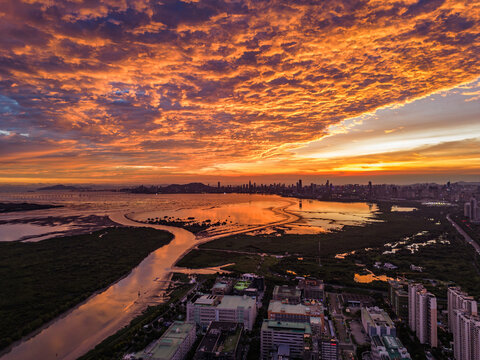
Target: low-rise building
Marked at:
208, 308
356, 300
287, 294
250, 285
295, 339
376, 321
220, 342
312, 288
223, 286
280, 311
388, 348
174, 344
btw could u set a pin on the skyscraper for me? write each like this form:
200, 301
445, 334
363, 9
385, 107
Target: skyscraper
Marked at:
422, 314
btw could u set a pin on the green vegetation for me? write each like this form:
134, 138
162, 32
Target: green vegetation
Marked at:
439, 262
392, 227
231, 341
300, 252
41, 280
190, 224
241, 263
11, 207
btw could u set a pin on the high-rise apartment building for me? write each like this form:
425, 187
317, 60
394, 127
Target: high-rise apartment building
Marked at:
471, 210
466, 336
422, 314
458, 300
399, 298
464, 323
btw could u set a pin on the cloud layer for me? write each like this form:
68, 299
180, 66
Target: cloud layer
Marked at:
99, 88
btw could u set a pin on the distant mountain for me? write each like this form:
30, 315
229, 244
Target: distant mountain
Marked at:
60, 187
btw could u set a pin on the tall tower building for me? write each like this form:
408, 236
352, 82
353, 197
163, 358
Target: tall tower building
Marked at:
422, 314
299, 186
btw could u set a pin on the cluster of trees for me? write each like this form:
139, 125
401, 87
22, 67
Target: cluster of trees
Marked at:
41, 280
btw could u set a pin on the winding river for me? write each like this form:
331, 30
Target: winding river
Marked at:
104, 313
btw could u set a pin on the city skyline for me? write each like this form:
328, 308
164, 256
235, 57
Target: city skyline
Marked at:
175, 92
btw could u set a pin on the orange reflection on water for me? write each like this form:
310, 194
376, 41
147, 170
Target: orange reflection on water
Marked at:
370, 277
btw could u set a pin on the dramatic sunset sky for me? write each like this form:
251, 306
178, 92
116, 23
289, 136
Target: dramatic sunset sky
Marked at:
104, 91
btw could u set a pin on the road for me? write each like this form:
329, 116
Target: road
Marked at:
467, 237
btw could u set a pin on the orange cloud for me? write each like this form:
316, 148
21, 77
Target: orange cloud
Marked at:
218, 86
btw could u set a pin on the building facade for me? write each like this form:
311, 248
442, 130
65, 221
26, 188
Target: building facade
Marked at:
280, 311
220, 342
388, 348
464, 323
458, 300
287, 294
466, 337
471, 210
376, 321
312, 288
422, 314
398, 298
208, 308
294, 338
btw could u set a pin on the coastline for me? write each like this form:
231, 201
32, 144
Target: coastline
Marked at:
186, 241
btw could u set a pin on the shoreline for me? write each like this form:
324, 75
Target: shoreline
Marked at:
188, 242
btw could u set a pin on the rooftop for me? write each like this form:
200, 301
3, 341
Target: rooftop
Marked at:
225, 301
231, 301
286, 290
167, 345
286, 326
377, 317
242, 285
277, 306
221, 337
393, 347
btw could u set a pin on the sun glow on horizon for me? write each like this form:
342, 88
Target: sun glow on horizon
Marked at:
150, 92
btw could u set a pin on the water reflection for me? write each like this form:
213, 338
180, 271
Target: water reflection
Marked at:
13, 232
320, 216
396, 208
370, 277
103, 314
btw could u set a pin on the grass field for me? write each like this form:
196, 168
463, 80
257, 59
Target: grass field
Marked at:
41, 280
